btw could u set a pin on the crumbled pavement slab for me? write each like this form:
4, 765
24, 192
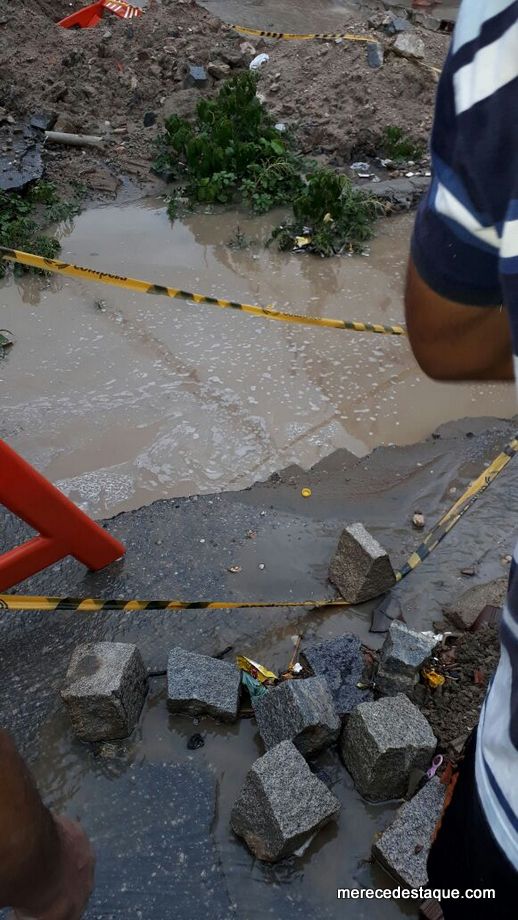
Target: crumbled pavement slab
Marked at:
464, 611
402, 656
301, 711
340, 661
201, 685
360, 568
403, 847
104, 691
282, 804
382, 742
165, 863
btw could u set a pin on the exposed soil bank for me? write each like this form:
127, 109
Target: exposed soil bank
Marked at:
104, 80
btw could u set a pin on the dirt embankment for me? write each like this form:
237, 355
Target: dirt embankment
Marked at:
105, 80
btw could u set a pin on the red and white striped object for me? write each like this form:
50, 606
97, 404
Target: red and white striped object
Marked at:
122, 10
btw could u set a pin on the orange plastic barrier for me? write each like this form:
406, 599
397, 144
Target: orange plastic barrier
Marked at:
63, 529
91, 15
86, 18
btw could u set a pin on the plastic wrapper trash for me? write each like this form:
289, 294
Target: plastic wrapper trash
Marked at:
255, 688
259, 60
258, 671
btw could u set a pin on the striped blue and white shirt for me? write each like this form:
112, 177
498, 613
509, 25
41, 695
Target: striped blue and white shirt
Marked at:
465, 246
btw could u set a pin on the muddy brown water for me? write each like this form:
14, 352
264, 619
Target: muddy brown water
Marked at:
122, 398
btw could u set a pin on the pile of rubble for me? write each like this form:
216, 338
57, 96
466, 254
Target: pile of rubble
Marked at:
386, 744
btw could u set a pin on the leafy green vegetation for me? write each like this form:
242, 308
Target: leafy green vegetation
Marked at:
396, 145
330, 216
23, 219
238, 240
232, 152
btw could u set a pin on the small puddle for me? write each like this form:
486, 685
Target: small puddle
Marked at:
123, 398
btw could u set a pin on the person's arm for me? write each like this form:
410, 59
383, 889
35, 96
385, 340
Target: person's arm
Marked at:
454, 341
46, 863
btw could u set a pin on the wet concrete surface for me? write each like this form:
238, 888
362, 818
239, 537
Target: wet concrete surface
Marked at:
184, 548
121, 399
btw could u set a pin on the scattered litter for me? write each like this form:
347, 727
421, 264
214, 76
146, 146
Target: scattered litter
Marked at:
259, 60
470, 572
251, 534
360, 167
254, 686
305, 493
280, 127
262, 566
302, 241
247, 48
418, 520
409, 175
6, 340
195, 741
506, 560
257, 671
436, 763
293, 666
479, 677
235, 569
432, 678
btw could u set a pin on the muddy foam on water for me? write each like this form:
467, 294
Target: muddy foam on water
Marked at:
124, 398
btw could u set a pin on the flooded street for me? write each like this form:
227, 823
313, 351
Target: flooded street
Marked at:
123, 398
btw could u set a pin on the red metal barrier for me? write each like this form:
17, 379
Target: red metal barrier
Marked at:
64, 529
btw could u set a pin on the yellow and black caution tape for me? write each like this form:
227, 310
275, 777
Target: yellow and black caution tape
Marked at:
448, 520
326, 36
433, 538
293, 36
148, 287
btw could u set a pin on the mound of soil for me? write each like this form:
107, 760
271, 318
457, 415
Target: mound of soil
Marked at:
105, 81
453, 709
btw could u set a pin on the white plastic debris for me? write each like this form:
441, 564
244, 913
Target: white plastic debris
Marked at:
281, 127
259, 60
360, 167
